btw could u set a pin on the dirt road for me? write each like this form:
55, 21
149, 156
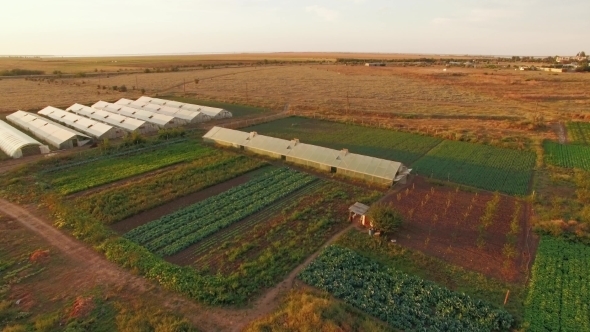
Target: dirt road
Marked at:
93, 269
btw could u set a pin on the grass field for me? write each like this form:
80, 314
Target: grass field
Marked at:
481, 166
579, 132
559, 295
381, 143
567, 155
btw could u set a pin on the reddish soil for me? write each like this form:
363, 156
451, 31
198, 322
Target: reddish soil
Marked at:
39, 256
81, 307
447, 234
162, 210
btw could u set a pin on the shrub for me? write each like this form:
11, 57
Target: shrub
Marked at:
385, 218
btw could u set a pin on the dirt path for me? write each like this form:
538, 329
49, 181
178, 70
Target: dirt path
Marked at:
91, 268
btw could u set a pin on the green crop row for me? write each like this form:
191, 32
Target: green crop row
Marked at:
115, 204
172, 233
105, 171
480, 166
559, 295
403, 301
375, 142
568, 156
579, 132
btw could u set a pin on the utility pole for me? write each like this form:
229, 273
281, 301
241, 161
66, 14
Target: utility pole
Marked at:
247, 97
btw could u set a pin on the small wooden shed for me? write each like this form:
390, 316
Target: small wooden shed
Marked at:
358, 210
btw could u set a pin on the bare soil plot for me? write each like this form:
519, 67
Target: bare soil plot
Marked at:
443, 222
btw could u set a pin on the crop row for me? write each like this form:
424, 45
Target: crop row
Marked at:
105, 171
117, 203
579, 132
61, 164
177, 231
559, 295
485, 167
404, 302
568, 156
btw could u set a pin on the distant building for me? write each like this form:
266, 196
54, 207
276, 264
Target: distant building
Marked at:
375, 64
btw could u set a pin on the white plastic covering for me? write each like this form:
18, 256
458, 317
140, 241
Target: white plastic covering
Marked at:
12, 141
115, 120
180, 114
161, 120
53, 133
213, 112
88, 126
350, 164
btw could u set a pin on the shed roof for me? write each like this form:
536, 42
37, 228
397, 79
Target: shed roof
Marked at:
151, 117
213, 112
12, 140
45, 129
86, 125
343, 160
112, 119
359, 208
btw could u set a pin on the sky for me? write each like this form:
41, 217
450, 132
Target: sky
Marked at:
478, 27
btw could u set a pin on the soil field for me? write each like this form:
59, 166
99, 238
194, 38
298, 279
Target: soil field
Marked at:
443, 222
142, 218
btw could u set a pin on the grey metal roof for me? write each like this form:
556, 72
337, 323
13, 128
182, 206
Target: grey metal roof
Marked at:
343, 160
45, 129
85, 125
182, 114
112, 119
359, 208
12, 140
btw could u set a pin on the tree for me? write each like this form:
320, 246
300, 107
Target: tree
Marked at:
385, 218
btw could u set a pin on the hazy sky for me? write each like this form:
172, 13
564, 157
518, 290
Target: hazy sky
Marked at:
502, 27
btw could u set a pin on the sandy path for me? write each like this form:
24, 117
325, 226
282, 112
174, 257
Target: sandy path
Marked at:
93, 269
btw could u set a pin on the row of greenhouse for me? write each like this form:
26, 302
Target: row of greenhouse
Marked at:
370, 169
79, 124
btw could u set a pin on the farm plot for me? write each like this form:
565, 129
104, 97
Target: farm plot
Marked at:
117, 203
480, 166
567, 156
172, 233
559, 295
261, 250
404, 302
579, 132
478, 231
380, 143
109, 170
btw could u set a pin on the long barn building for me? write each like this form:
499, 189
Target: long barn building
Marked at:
375, 170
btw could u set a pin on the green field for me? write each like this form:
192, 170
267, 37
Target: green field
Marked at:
405, 302
174, 232
567, 155
579, 132
559, 295
380, 143
236, 110
103, 171
480, 166
117, 203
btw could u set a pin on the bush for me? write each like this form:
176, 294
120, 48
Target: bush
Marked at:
123, 88
164, 134
134, 138
21, 72
385, 218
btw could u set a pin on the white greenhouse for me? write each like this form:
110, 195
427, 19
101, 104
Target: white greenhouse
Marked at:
179, 114
160, 120
51, 132
87, 126
375, 170
125, 123
213, 112
17, 144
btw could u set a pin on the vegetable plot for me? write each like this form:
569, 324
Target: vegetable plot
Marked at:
559, 296
568, 156
174, 232
404, 302
579, 132
480, 166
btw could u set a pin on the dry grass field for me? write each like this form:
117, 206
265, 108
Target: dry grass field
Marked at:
491, 104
